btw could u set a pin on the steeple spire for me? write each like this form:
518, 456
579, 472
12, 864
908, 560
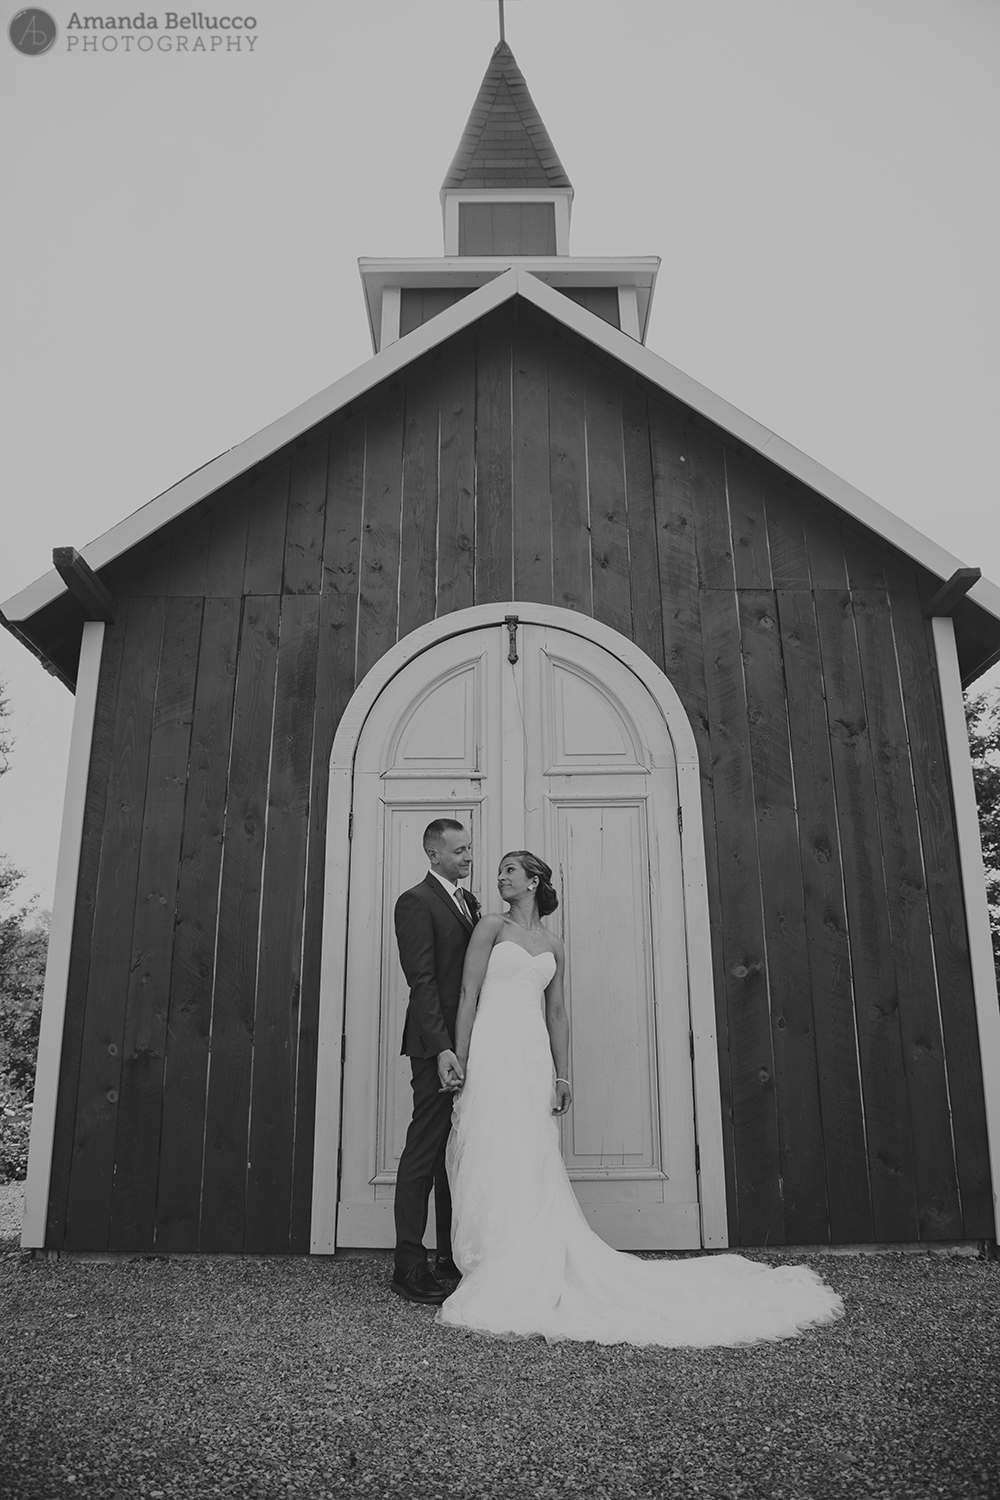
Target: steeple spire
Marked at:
505, 144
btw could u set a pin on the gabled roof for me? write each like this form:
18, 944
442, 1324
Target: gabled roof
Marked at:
505, 144
397, 356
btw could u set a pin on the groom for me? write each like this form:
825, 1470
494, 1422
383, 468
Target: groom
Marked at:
434, 922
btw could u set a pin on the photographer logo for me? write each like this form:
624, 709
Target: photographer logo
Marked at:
32, 31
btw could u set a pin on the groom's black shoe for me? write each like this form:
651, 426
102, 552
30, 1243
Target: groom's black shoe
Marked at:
418, 1284
446, 1270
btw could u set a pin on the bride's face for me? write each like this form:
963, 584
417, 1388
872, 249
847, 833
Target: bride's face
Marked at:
513, 881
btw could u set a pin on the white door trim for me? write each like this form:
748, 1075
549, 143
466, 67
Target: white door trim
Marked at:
977, 912
50, 1039
708, 1103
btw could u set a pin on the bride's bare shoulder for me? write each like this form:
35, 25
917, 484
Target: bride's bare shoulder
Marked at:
556, 944
490, 925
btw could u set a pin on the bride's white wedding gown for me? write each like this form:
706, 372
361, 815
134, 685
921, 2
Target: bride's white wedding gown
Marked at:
531, 1263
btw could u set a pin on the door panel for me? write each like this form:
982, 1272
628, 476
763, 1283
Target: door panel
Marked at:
443, 731
600, 854
583, 729
602, 788
562, 751
424, 753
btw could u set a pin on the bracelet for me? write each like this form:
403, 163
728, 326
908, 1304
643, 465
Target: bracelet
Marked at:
563, 1080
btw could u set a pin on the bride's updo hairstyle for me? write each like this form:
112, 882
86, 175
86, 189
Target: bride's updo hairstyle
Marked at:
535, 868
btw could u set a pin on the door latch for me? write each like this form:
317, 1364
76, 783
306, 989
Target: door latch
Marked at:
511, 622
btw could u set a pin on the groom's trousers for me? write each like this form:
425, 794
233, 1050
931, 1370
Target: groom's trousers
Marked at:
421, 1167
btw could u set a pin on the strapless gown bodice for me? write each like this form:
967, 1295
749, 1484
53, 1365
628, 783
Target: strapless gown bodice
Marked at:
515, 974
513, 990
531, 1263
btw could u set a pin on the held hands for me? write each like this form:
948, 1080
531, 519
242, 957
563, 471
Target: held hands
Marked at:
564, 1097
450, 1072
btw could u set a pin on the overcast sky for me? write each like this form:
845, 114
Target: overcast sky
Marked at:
182, 232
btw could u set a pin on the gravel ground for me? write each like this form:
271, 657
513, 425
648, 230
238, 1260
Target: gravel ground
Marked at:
253, 1377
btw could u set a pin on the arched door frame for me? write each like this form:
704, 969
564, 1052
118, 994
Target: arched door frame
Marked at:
701, 992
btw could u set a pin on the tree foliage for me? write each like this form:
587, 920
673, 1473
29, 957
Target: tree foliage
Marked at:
23, 945
6, 743
982, 717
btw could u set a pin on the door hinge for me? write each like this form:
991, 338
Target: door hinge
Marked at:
680, 820
350, 825
691, 1044
697, 1158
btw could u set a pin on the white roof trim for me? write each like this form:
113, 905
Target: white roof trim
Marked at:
506, 194
377, 275
516, 281
219, 471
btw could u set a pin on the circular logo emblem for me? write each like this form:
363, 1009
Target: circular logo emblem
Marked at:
32, 31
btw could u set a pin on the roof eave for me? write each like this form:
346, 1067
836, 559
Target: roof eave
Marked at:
514, 282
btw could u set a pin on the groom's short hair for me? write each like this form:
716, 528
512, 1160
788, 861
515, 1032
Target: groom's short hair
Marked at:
434, 833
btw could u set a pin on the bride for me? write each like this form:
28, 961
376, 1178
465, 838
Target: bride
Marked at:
530, 1262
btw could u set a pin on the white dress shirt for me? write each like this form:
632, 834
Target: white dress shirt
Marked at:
451, 888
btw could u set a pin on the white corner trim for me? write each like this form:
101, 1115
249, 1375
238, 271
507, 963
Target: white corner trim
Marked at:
449, 208
701, 1000
391, 303
563, 207
332, 984
707, 1092
628, 312
43, 1114
977, 914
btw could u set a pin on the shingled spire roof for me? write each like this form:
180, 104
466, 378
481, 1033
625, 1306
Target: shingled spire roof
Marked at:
505, 144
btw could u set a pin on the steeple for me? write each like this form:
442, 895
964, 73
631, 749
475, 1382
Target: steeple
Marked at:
506, 201
506, 192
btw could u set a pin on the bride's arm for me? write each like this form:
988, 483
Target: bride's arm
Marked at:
557, 1023
477, 956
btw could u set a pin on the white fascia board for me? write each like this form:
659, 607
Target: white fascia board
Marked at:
506, 194
230, 465
877, 518
557, 270
518, 279
669, 378
378, 274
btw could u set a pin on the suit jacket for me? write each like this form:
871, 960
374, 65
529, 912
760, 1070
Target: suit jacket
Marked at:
432, 935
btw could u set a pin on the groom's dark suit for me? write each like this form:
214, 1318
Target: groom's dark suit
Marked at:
432, 935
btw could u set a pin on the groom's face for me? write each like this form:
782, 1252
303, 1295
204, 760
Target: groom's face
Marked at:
453, 856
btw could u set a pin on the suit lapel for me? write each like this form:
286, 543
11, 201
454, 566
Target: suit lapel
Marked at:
451, 904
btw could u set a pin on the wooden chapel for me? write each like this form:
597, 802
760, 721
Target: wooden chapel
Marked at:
518, 568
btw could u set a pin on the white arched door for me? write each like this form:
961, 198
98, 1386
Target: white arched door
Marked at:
563, 751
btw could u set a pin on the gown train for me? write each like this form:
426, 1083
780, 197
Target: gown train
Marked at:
531, 1263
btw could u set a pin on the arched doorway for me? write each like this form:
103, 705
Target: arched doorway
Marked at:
540, 736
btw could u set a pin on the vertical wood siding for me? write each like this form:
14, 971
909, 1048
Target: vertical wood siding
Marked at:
514, 462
